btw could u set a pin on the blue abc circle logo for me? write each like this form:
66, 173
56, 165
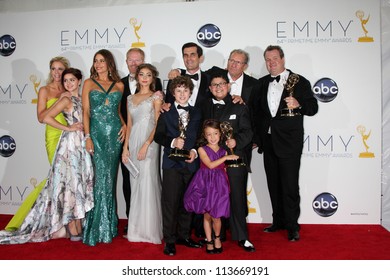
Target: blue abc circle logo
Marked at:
7, 45
325, 90
208, 35
7, 146
325, 204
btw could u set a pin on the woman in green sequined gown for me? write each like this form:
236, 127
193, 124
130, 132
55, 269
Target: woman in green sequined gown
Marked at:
105, 131
47, 96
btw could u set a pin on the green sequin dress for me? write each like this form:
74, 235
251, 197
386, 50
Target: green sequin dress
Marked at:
102, 221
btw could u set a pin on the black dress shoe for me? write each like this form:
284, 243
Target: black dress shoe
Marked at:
188, 242
247, 245
272, 228
170, 249
293, 235
125, 230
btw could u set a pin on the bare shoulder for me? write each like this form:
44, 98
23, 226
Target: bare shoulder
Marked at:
43, 90
88, 83
120, 86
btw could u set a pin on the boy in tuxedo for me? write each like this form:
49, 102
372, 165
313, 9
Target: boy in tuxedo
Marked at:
178, 173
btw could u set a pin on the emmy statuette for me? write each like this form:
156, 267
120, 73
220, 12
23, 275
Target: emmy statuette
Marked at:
227, 130
291, 82
181, 154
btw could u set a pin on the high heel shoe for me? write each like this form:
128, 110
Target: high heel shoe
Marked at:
210, 251
73, 237
218, 250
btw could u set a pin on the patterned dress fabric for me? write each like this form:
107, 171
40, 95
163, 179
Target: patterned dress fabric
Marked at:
208, 191
145, 218
52, 137
68, 192
102, 222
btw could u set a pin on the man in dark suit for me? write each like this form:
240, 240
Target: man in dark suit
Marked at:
192, 57
178, 174
280, 137
134, 58
221, 108
241, 89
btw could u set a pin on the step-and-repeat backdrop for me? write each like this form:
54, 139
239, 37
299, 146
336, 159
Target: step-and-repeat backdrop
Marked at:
334, 44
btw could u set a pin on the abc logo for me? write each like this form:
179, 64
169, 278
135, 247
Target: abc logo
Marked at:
7, 146
209, 35
7, 45
325, 90
325, 204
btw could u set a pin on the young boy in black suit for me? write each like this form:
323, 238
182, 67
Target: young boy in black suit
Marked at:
178, 173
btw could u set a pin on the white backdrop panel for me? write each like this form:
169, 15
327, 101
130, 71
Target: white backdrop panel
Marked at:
320, 41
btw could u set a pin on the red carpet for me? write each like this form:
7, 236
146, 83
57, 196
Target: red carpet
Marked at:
318, 242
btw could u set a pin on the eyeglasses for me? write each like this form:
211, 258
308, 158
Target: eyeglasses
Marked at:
236, 62
136, 61
221, 84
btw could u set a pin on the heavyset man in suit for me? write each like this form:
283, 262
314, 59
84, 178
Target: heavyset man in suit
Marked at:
280, 138
134, 58
222, 108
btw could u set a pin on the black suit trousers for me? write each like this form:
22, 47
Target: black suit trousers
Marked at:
238, 177
283, 186
176, 220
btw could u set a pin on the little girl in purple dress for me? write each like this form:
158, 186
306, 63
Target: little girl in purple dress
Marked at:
208, 192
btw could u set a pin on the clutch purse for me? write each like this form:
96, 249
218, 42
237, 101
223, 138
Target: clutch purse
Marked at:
133, 169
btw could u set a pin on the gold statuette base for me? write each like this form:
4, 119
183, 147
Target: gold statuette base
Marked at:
235, 163
179, 155
286, 112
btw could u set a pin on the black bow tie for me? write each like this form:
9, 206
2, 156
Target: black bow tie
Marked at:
194, 77
186, 108
271, 79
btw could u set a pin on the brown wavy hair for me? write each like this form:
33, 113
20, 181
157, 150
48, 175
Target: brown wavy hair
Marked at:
113, 74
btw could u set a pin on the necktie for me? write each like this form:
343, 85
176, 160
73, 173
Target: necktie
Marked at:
277, 78
194, 77
131, 78
186, 108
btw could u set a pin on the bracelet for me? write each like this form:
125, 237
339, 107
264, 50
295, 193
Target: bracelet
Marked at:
87, 136
147, 142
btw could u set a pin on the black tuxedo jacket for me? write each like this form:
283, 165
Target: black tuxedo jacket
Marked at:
127, 92
247, 84
168, 128
286, 132
203, 92
239, 118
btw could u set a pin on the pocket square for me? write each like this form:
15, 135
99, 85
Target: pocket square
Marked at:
232, 117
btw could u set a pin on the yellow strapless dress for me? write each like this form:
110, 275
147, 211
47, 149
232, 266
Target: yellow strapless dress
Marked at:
52, 137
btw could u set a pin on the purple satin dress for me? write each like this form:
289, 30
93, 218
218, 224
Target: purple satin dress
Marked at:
208, 192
